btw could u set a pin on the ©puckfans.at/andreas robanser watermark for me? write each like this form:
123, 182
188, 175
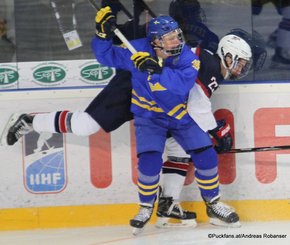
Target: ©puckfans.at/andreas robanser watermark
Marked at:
245, 235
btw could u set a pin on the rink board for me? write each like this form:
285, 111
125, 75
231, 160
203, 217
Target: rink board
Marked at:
120, 214
93, 180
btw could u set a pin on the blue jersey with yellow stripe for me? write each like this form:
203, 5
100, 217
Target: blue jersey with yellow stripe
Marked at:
155, 95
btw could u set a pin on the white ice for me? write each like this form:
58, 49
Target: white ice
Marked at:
121, 235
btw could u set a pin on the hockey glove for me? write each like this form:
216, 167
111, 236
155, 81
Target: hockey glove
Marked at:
222, 135
105, 23
143, 61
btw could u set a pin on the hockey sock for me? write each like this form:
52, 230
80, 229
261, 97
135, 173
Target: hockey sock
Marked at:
205, 159
207, 184
79, 123
173, 176
44, 122
149, 167
206, 174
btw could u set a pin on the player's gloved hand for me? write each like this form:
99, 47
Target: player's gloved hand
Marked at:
143, 61
222, 135
105, 23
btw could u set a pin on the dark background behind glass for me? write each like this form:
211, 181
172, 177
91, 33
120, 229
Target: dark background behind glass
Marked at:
33, 28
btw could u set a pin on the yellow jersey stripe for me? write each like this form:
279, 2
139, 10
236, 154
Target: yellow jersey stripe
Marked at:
147, 107
181, 115
175, 109
143, 99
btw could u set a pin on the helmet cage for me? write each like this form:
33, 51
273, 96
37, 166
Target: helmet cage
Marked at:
172, 51
236, 61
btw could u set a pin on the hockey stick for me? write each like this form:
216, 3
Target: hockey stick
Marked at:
117, 32
258, 149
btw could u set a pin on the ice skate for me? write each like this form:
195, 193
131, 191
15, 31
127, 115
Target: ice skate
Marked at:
168, 211
221, 214
17, 126
140, 220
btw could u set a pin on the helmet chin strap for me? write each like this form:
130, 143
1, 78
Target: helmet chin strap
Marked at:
227, 75
226, 69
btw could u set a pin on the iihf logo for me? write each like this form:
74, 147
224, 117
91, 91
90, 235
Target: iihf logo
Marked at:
44, 162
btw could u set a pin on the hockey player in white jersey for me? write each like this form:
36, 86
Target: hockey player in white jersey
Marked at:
199, 107
232, 61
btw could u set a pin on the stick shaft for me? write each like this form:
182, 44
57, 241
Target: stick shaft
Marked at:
125, 41
259, 149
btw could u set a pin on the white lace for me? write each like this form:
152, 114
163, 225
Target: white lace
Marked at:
222, 209
144, 214
177, 205
25, 128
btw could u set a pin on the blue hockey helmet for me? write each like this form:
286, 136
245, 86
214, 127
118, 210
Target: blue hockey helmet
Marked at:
161, 26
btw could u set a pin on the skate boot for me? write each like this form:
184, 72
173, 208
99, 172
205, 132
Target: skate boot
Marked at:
221, 214
169, 210
17, 126
140, 220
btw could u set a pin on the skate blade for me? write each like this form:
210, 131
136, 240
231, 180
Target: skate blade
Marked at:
12, 119
137, 231
218, 222
163, 222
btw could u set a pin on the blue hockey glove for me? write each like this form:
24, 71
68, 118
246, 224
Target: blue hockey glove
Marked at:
143, 61
222, 135
105, 23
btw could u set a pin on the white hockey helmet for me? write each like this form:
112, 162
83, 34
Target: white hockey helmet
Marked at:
235, 49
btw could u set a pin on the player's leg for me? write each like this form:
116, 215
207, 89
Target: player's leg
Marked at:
149, 166
79, 123
207, 178
205, 161
174, 172
150, 141
109, 110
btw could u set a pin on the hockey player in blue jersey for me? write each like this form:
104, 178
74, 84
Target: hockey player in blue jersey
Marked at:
159, 97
